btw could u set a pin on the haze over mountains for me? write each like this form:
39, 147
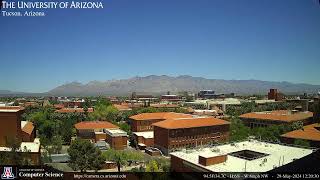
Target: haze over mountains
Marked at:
161, 84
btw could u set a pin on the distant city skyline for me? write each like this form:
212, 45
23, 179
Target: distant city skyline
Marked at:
269, 40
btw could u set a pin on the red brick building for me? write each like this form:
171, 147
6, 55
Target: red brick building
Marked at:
267, 118
116, 138
73, 104
180, 165
170, 98
102, 131
23, 132
10, 120
28, 132
310, 133
141, 126
174, 134
274, 94
144, 139
144, 121
58, 106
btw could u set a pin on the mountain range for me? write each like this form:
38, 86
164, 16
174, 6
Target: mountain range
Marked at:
156, 85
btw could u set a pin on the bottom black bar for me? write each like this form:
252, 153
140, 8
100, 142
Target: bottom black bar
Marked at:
46, 172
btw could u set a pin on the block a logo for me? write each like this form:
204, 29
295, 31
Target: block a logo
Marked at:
7, 173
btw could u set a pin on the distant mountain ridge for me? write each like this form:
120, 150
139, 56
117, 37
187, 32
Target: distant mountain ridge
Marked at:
155, 84
7, 93
3, 92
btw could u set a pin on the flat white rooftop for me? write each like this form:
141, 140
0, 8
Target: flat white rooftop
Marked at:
217, 101
278, 155
146, 134
29, 146
204, 110
116, 132
99, 132
264, 101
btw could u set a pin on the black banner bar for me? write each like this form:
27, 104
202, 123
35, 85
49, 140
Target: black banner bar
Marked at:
47, 172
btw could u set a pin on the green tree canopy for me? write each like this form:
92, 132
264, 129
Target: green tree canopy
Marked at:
301, 142
152, 166
238, 131
102, 101
163, 164
84, 156
297, 125
16, 156
122, 158
56, 144
246, 107
104, 112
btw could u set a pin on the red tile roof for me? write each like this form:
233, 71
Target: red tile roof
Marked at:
190, 123
95, 125
30, 103
72, 110
159, 115
279, 115
309, 132
58, 106
132, 105
28, 128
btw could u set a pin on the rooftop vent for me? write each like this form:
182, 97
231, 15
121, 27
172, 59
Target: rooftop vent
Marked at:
208, 161
248, 154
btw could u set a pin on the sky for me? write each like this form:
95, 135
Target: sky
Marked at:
273, 40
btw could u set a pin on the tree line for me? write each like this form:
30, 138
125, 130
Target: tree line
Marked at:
239, 131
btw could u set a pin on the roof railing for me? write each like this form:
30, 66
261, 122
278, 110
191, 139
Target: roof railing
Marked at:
215, 144
291, 145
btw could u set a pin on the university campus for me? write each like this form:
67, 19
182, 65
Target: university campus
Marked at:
175, 88
186, 132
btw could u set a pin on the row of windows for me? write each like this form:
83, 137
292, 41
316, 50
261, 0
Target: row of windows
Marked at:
253, 125
143, 123
181, 140
145, 127
197, 136
190, 144
183, 145
261, 121
200, 131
